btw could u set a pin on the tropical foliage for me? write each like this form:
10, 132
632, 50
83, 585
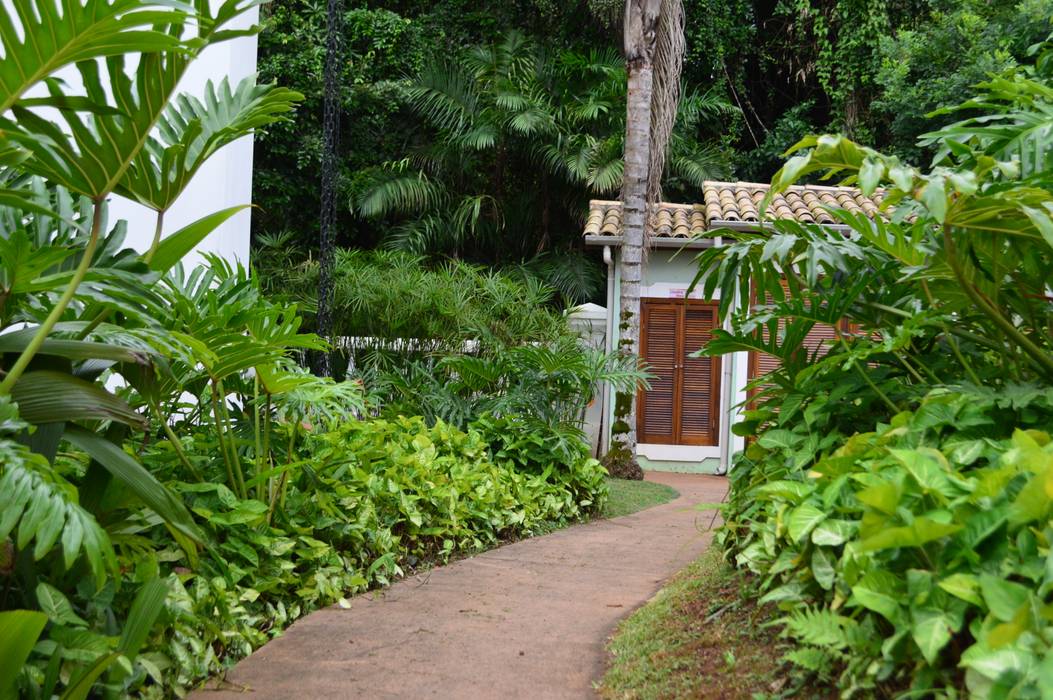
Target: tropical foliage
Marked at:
893, 499
500, 191
174, 488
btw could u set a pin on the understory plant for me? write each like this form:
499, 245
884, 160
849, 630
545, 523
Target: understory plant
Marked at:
894, 498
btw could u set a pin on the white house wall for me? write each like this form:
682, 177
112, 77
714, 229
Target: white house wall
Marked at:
667, 274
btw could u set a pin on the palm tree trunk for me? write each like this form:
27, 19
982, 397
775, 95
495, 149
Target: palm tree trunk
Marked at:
641, 20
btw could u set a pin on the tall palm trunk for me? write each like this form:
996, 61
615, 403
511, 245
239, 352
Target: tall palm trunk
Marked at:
653, 30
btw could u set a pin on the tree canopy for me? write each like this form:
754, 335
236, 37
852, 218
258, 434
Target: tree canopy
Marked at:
478, 130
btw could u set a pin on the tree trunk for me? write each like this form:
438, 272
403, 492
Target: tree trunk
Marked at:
641, 20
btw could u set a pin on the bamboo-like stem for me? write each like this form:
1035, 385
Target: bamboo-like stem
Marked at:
217, 421
913, 372
1042, 358
866, 378
173, 439
44, 329
149, 255
951, 340
267, 442
256, 432
227, 428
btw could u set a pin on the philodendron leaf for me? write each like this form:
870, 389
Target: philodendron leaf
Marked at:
823, 568
802, 519
832, 532
963, 586
995, 663
52, 35
19, 630
57, 607
921, 531
879, 591
1003, 597
931, 629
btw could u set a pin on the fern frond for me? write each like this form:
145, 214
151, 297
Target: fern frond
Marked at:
43, 509
821, 627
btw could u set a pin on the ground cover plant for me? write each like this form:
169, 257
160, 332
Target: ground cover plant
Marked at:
894, 500
702, 636
174, 488
625, 496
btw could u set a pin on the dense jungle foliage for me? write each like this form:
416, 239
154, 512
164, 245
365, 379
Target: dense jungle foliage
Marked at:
895, 498
480, 130
175, 489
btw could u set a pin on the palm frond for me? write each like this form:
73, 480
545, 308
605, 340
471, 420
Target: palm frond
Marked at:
393, 191
45, 510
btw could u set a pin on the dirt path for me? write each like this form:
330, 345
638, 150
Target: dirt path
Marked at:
528, 620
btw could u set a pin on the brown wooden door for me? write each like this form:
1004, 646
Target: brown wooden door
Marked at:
700, 378
658, 408
682, 406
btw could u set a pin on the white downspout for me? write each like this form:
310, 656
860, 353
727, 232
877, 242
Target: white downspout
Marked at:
728, 391
608, 340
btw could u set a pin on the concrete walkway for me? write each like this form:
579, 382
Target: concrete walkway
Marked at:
528, 620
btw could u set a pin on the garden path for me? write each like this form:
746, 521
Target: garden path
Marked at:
527, 620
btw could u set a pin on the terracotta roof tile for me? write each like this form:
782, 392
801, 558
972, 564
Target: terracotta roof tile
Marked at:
736, 201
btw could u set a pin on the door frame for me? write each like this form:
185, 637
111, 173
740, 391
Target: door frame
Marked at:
681, 305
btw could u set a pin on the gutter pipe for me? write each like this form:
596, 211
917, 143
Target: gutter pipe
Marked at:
608, 342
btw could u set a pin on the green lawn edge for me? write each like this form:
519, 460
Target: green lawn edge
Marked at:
627, 496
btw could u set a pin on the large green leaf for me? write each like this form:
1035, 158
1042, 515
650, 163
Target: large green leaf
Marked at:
48, 396
91, 153
922, 531
72, 349
19, 630
881, 592
42, 36
142, 483
802, 520
1004, 598
81, 684
57, 606
148, 604
191, 130
931, 629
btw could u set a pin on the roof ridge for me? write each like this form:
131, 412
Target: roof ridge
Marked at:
724, 184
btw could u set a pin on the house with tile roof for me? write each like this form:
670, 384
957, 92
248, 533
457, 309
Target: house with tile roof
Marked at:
684, 420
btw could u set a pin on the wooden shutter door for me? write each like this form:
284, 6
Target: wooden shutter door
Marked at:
700, 389
659, 335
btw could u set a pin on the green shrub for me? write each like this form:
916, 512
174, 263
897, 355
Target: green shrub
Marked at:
895, 498
913, 550
555, 453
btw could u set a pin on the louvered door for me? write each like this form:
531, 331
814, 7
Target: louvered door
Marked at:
700, 376
682, 405
659, 342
